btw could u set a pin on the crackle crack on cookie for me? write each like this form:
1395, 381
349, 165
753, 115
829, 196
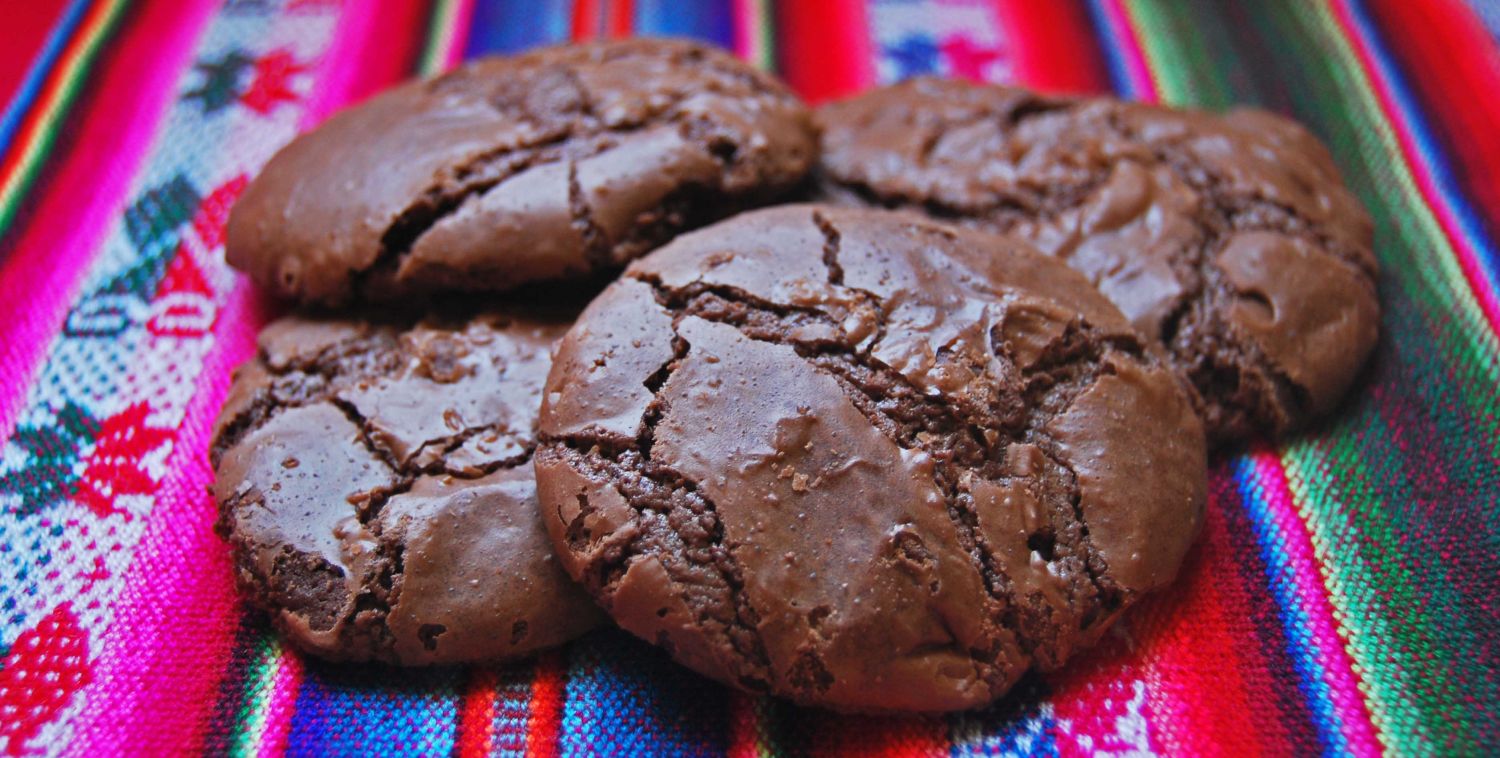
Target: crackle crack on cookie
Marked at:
678, 526
1256, 273
548, 165
358, 463
906, 408
964, 439
712, 578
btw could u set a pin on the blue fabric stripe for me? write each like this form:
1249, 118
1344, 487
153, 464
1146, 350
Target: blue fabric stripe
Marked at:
508, 26
707, 20
370, 709
625, 697
1279, 579
1119, 75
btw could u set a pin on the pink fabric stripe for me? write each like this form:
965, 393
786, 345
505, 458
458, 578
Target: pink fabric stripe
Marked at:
1128, 45
181, 570
1312, 593
173, 630
281, 705
1488, 300
826, 49
463, 20
339, 70
747, 30
43, 274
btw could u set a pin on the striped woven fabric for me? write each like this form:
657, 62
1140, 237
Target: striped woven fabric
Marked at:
1344, 598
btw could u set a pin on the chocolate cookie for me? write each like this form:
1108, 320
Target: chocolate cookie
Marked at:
375, 484
863, 460
551, 164
1229, 238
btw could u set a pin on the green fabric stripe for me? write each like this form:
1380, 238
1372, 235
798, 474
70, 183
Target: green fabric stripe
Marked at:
1409, 242
249, 720
1194, 78
1439, 380
1172, 32
1357, 540
1409, 636
437, 30
1422, 656
1394, 600
767, 59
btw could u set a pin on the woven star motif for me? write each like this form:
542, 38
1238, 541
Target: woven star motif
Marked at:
272, 84
116, 466
221, 81
52, 453
967, 58
914, 55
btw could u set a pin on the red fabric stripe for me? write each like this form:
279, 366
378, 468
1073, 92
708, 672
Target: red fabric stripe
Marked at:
26, 28
1453, 66
1200, 635
32, 125
824, 47
1054, 45
586, 19
1270, 669
1187, 641
621, 21
548, 692
477, 715
1236, 594
744, 737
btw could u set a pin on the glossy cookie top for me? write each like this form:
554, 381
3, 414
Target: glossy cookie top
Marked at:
1230, 239
862, 460
547, 165
374, 481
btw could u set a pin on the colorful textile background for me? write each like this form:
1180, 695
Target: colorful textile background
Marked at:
1345, 597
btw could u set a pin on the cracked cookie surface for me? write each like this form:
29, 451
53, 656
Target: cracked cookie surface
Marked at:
547, 165
374, 481
863, 460
1230, 238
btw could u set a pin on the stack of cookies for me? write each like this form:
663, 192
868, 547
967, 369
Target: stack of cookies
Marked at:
877, 409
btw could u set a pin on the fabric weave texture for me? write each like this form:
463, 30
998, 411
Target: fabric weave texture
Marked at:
1342, 598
